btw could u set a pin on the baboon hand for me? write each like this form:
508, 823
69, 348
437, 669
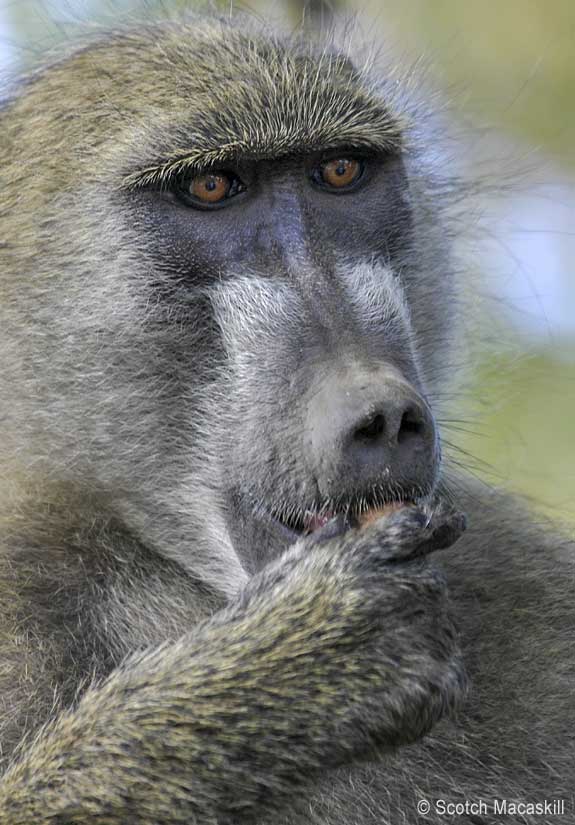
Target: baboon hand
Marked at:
358, 626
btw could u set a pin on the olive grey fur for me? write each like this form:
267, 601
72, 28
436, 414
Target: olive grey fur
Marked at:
183, 390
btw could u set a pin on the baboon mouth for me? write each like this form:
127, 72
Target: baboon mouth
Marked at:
309, 522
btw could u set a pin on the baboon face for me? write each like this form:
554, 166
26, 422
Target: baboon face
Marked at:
258, 262
318, 351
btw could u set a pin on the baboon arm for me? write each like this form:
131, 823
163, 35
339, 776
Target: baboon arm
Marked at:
334, 653
184, 733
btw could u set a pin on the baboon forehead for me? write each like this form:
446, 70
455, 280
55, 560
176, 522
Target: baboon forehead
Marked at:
207, 92
257, 96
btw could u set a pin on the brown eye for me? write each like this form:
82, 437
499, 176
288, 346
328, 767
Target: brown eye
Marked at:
341, 172
210, 188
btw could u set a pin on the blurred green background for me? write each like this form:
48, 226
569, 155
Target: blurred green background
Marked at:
507, 71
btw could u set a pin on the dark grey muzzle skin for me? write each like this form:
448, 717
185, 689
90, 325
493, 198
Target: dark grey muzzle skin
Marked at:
369, 429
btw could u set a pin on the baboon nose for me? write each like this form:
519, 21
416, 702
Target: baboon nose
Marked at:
379, 432
399, 422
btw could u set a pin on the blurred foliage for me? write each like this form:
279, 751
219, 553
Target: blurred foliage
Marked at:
515, 58
517, 428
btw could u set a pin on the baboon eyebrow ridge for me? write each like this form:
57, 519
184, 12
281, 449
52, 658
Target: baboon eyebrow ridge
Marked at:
250, 128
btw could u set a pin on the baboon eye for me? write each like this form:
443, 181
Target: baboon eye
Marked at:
339, 173
209, 188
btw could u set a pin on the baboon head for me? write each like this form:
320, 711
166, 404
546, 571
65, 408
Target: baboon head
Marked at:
229, 298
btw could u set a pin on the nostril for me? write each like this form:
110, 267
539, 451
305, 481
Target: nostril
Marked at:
372, 430
412, 425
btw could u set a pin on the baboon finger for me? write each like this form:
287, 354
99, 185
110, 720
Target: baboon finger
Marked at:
411, 533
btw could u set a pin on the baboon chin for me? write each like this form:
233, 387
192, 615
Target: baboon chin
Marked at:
237, 583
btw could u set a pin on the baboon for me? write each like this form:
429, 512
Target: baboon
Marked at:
228, 310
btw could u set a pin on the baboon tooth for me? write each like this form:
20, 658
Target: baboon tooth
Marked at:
314, 521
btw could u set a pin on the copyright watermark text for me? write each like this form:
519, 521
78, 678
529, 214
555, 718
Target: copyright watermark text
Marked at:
497, 807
